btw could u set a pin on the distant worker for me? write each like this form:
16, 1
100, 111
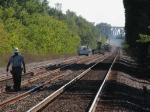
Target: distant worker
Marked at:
93, 51
17, 62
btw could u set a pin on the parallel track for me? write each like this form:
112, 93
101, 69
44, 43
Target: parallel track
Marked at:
32, 90
34, 75
78, 94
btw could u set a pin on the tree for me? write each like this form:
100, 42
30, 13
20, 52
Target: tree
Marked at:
137, 19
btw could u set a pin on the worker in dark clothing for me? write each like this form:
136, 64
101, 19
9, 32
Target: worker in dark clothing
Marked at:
93, 51
17, 62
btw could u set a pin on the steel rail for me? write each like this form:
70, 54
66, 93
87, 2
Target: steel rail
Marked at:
40, 68
62, 89
4, 89
37, 70
79, 62
96, 99
10, 76
23, 95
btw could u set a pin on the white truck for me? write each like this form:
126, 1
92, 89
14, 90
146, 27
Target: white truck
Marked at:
83, 50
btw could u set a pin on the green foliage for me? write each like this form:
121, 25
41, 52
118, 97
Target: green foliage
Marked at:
87, 31
126, 47
144, 38
137, 34
104, 29
103, 39
35, 28
3, 37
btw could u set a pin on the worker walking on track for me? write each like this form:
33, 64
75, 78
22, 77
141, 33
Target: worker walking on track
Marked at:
17, 61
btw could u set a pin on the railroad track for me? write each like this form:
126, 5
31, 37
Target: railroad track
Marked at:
115, 96
104, 98
34, 75
37, 68
79, 93
4, 102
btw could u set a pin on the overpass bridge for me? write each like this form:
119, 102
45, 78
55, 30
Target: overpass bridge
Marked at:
113, 32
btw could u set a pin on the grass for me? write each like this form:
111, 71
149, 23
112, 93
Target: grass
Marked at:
30, 58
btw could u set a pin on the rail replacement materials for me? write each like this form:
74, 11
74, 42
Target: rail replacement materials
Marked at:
59, 91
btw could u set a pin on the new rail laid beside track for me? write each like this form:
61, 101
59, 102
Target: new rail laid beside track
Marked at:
35, 74
78, 85
78, 96
85, 59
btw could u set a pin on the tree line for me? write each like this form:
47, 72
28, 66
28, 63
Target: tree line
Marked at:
137, 30
35, 27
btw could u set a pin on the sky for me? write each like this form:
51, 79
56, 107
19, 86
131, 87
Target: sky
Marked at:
97, 11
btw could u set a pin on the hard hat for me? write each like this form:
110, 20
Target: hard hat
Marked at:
16, 50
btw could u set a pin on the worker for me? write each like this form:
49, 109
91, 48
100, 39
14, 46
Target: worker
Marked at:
17, 61
93, 50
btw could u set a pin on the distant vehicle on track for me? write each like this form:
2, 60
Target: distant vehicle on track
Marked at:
107, 47
98, 49
83, 50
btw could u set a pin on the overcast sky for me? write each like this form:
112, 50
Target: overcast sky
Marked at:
106, 11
